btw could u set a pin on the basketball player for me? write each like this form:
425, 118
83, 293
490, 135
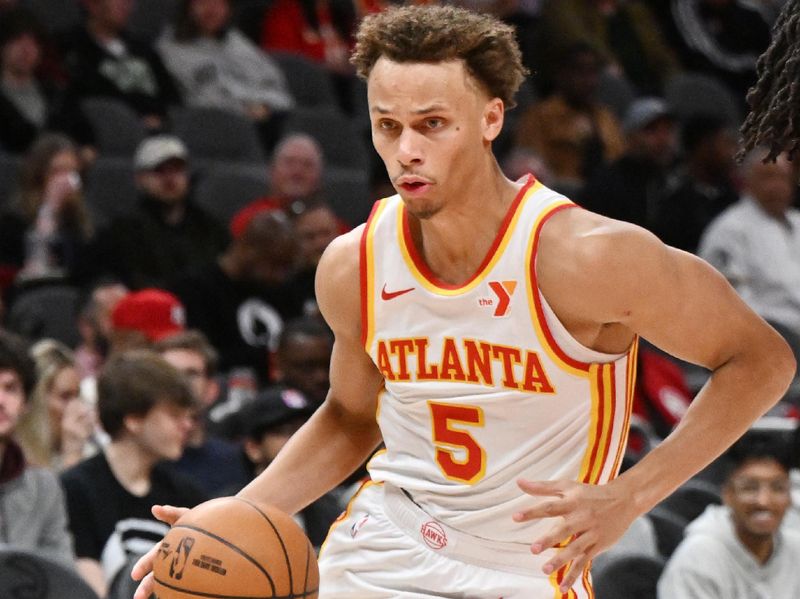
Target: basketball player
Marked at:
486, 332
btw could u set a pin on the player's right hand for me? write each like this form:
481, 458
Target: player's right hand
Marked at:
143, 570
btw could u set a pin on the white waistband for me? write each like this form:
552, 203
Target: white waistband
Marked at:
441, 538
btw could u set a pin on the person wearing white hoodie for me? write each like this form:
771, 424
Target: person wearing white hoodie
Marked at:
740, 550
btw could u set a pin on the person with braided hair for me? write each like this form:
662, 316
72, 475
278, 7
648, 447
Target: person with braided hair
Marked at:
774, 119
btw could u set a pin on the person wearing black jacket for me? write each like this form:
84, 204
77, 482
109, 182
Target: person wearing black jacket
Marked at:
167, 234
102, 60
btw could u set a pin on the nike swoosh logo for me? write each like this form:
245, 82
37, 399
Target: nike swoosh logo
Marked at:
389, 295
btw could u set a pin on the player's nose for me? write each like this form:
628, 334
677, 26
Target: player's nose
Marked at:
409, 150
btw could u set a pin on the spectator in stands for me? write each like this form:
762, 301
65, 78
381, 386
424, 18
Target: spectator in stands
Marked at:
303, 358
32, 513
144, 317
146, 407
218, 66
722, 38
625, 33
269, 422
572, 132
703, 187
103, 60
29, 103
94, 324
631, 188
58, 430
211, 462
756, 242
46, 232
295, 178
740, 550
240, 300
168, 234
316, 226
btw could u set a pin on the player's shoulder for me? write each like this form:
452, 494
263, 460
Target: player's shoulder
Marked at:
584, 242
338, 280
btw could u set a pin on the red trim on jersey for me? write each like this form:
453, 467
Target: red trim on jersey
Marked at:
601, 397
363, 274
422, 266
612, 405
537, 302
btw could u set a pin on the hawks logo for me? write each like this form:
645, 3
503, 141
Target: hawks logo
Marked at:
503, 290
433, 534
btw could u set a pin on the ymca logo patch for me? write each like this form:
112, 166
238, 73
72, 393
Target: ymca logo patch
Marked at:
501, 302
433, 534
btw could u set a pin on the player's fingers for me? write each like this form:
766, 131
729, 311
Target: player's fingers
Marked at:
145, 588
541, 487
168, 513
144, 564
555, 537
575, 570
574, 550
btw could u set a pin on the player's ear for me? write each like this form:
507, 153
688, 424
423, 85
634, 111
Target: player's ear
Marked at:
493, 116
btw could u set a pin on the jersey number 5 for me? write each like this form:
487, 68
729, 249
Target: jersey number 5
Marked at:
458, 454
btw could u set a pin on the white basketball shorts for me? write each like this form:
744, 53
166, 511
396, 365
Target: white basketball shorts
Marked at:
385, 547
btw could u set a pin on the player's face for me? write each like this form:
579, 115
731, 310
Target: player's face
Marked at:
758, 495
432, 125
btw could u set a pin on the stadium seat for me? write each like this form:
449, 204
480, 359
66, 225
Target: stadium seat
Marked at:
690, 499
669, 529
117, 128
46, 311
308, 81
57, 16
628, 576
26, 575
348, 193
223, 189
110, 189
695, 94
340, 143
214, 134
149, 17
616, 92
9, 174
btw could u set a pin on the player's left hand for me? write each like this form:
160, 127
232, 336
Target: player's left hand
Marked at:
588, 520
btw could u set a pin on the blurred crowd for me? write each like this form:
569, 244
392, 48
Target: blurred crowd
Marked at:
171, 172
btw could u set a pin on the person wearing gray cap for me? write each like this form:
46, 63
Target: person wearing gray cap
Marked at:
167, 234
630, 188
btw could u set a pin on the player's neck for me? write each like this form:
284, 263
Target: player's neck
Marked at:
455, 242
131, 466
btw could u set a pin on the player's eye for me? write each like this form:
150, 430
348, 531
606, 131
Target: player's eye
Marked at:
434, 123
386, 125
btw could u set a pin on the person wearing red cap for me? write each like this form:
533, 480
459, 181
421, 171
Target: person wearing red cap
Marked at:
144, 317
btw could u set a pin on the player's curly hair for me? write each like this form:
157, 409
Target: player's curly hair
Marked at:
441, 33
774, 119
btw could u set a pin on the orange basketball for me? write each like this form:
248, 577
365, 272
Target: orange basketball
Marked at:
233, 548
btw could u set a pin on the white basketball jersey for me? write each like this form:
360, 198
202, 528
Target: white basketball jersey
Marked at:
483, 384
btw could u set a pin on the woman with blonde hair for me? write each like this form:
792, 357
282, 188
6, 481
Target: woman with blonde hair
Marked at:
58, 430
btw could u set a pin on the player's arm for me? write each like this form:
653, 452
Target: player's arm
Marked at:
622, 278
343, 432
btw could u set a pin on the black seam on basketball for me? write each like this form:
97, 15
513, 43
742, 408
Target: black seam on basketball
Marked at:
280, 540
235, 548
218, 596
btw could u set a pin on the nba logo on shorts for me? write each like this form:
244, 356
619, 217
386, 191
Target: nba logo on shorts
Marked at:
433, 534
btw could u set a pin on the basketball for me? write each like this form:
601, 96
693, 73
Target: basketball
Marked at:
233, 548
